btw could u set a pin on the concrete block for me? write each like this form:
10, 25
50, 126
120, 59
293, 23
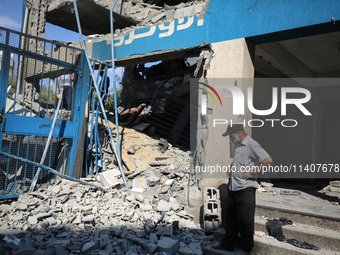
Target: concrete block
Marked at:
56, 189
116, 230
180, 175
32, 220
23, 206
165, 189
51, 221
169, 182
153, 238
60, 250
108, 195
146, 207
139, 185
89, 219
62, 235
168, 245
334, 189
163, 206
335, 183
164, 231
185, 250
87, 246
108, 179
184, 12
170, 14
196, 248
141, 15
5, 207
158, 17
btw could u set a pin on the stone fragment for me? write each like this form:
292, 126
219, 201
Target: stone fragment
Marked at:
180, 175
196, 248
51, 221
165, 189
169, 182
146, 207
153, 238
185, 250
260, 233
163, 206
123, 233
169, 245
62, 235
32, 220
335, 183
60, 250
334, 189
108, 179
56, 189
266, 184
87, 246
164, 231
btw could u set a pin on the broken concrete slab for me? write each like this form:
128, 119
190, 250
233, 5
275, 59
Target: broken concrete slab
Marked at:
163, 206
169, 245
108, 179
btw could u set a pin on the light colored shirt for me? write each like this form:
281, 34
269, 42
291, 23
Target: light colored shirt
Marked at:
248, 155
65, 80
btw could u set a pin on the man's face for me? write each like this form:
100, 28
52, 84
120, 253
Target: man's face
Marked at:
235, 138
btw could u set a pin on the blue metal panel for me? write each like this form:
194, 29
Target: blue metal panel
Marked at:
224, 20
82, 90
23, 125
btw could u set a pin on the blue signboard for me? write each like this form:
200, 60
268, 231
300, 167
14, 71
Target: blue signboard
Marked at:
224, 20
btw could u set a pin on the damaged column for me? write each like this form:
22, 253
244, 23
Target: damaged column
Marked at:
231, 60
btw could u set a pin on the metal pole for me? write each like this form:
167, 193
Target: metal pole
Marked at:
114, 79
51, 170
98, 94
56, 113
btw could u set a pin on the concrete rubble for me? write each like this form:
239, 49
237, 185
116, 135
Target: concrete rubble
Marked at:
148, 217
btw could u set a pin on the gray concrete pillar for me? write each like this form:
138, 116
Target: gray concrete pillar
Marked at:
233, 60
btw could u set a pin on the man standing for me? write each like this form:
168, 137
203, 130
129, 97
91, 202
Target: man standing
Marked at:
66, 81
249, 157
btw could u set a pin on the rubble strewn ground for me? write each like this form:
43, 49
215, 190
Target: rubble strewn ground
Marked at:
145, 218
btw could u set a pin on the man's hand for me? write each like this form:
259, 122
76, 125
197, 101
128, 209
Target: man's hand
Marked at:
246, 175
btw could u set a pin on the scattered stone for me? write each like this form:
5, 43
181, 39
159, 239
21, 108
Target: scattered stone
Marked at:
87, 246
32, 220
266, 184
169, 245
163, 206
196, 248
108, 179
164, 231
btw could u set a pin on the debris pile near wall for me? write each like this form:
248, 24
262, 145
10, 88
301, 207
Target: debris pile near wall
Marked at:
148, 217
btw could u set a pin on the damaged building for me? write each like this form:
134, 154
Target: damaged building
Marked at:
142, 187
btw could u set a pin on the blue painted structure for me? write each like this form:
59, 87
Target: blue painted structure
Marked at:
13, 124
228, 20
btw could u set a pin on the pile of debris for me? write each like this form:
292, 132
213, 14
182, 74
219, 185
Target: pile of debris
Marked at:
148, 217
69, 218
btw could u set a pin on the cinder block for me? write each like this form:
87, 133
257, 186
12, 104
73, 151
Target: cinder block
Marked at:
168, 245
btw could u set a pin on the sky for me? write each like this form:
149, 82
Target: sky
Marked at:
11, 17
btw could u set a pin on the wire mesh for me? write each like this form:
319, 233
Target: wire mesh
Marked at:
16, 176
40, 46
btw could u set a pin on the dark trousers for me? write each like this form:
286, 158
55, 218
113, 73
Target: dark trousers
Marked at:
239, 218
67, 97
